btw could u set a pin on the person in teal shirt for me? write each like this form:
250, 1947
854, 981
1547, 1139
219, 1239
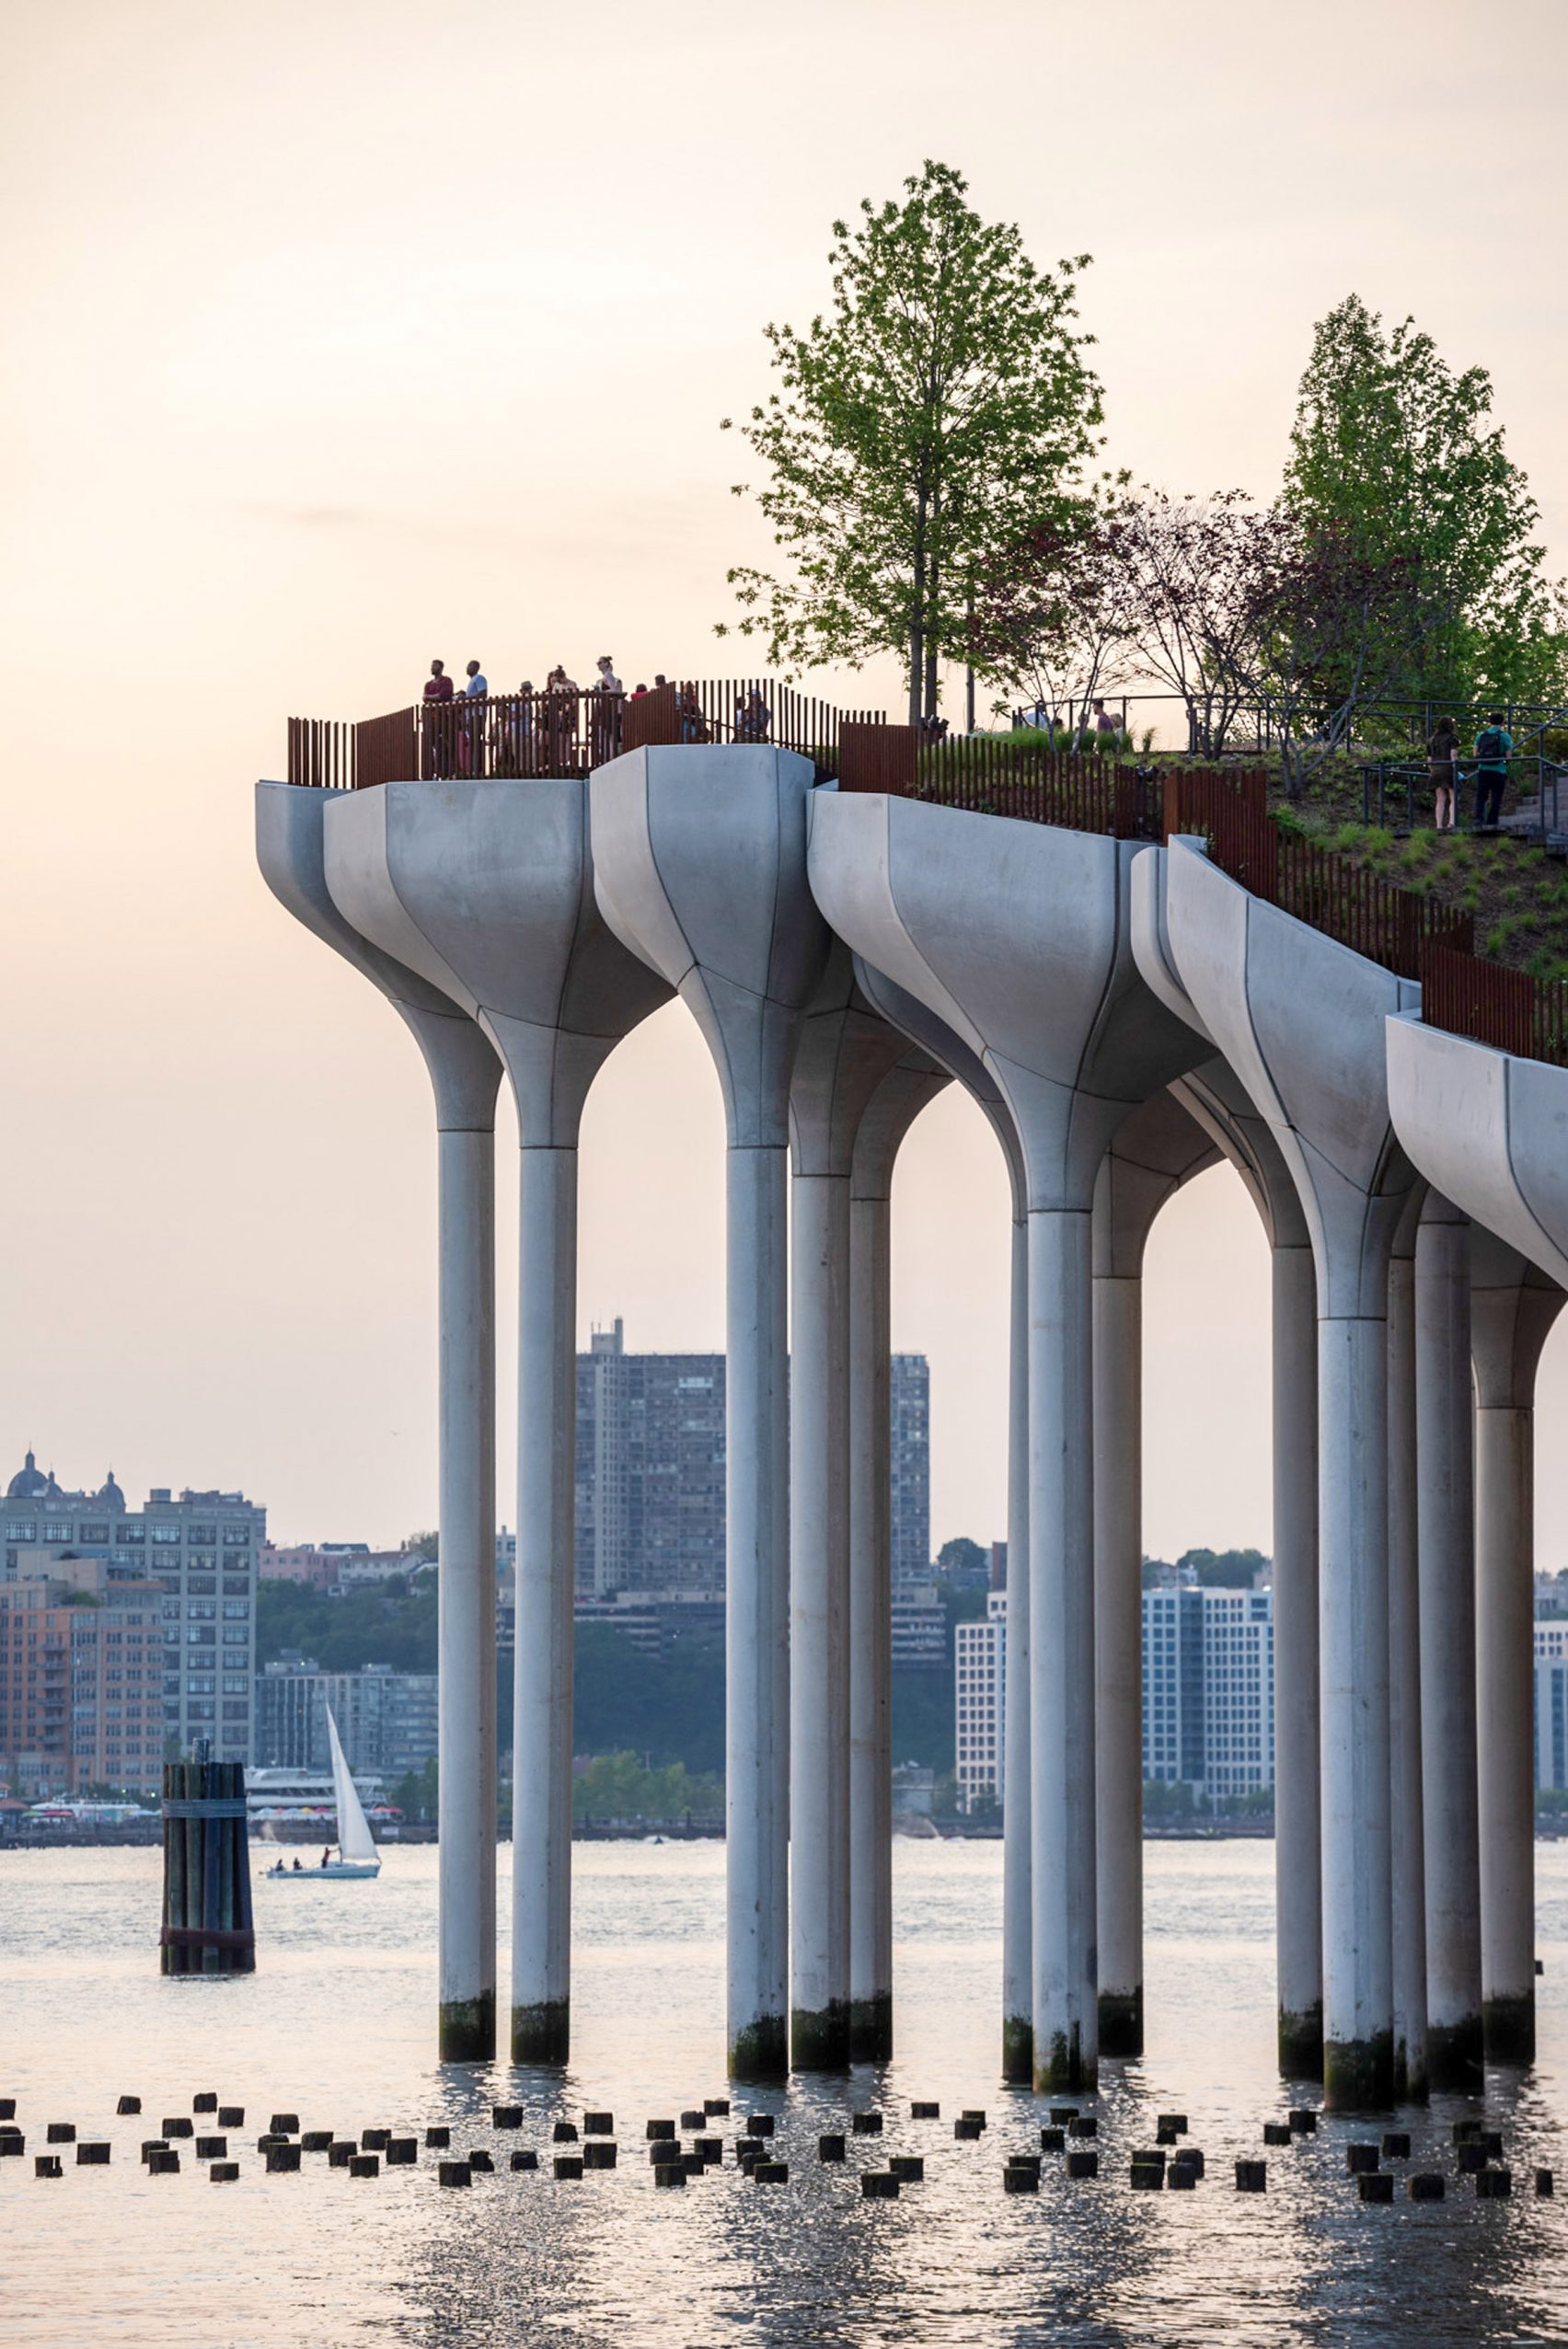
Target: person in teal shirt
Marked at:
1493, 746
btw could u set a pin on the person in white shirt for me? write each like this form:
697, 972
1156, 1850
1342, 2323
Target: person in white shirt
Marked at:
471, 735
477, 684
606, 713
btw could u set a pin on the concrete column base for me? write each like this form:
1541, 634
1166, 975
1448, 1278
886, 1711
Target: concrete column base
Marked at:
1456, 2057
1018, 2050
466, 2030
1359, 2073
1122, 2022
759, 2051
819, 2039
870, 2029
1509, 2029
1413, 2081
1301, 2043
542, 2033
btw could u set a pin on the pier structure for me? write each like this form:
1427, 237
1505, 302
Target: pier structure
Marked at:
1130, 989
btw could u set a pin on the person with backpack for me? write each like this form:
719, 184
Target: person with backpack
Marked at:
1493, 745
1442, 765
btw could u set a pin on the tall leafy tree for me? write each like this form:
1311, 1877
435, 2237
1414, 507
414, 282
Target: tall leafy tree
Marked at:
1397, 457
940, 409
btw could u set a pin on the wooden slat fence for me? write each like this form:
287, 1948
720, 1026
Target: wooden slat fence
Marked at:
1493, 1005
321, 754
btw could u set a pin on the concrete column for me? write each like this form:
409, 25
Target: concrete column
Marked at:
1353, 1663
1446, 1520
870, 1636
1061, 1613
1298, 1898
1513, 1307
1506, 1694
958, 1059
546, 1409
466, 1585
1118, 1658
699, 866
819, 1656
1409, 1870
1161, 1145
897, 1101
1017, 1971
756, 1817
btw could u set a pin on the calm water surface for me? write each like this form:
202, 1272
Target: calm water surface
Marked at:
338, 2025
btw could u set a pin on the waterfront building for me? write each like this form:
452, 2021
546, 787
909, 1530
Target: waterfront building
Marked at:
980, 1712
386, 1720
1208, 1693
1550, 1700
650, 1491
201, 1548
919, 1628
81, 1681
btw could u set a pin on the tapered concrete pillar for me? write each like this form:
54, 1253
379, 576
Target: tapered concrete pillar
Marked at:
1408, 1879
700, 867
486, 889
1513, 1306
1216, 1099
1035, 976
1445, 1534
1018, 1981
893, 1107
1157, 1150
1302, 1021
846, 1051
465, 1074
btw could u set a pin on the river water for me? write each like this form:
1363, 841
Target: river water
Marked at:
337, 2025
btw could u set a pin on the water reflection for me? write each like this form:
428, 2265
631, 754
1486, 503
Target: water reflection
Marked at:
337, 2025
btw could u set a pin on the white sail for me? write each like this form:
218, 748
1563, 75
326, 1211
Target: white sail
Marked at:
354, 1838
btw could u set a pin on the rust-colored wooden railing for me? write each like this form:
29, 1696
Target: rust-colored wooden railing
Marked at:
1510, 1010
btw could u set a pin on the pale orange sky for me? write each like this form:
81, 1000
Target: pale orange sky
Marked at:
342, 335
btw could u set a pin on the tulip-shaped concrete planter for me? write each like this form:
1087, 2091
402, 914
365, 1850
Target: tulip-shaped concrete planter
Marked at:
700, 869
486, 889
465, 1074
1299, 1019
948, 1051
1016, 935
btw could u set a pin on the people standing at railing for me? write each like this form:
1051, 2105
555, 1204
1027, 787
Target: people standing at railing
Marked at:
691, 725
609, 696
753, 718
471, 723
1494, 748
1443, 766
561, 696
437, 730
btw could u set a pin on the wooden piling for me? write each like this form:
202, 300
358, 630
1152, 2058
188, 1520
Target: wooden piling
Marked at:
207, 1921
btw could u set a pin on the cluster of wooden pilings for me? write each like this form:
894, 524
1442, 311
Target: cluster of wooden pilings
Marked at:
207, 1922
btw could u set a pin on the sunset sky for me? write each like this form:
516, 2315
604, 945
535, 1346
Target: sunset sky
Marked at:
343, 335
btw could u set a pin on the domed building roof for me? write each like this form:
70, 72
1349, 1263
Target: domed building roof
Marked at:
29, 1483
110, 1497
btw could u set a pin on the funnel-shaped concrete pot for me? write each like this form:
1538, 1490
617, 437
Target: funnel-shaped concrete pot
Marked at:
1491, 1131
1299, 1018
1016, 935
486, 889
464, 1073
700, 869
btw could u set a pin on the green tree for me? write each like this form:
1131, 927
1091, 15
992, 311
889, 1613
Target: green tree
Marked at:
1398, 457
1223, 1569
940, 412
964, 1558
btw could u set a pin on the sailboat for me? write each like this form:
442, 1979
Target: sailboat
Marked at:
356, 1846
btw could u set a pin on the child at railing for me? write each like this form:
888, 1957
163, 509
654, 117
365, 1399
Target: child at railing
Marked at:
1442, 765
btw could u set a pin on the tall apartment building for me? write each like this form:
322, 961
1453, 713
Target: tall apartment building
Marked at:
81, 1682
386, 1720
201, 1548
650, 1473
1551, 1699
980, 1655
1208, 1693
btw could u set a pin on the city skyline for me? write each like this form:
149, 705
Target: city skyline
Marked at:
281, 498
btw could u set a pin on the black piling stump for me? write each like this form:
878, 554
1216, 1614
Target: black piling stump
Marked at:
670, 2173
1277, 2133
925, 2112
282, 2124
1251, 2177
205, 2102
92, 2153
163, 2165
1176, 2122
1181, 2177
1084, 2125
564, 2133
456, 2173
1053, 2140
375, 2140
909, 2168
879, 2185
599, 2154
47, 2165
1493, 2185
1396, 2145
771, 2173
1360, 2158
129, 2104
969, 2132
224, 2173
212, 2149
658, 2130
710, 2149
60, 2133
598, 2125
179, 2126
402, 2153
1083, 2165
1020, 2182
481, 2161
830, 2148
230, 2116
522, 2159
1471, 2160
694, 2119
340, 2152
1544, 2182
759, 2124
1376, 2185
365, 2165
1303, 2121
284, 2156
866, 2125
506, 2117
438, 2133
316, 2140
568, 2165
715, 2108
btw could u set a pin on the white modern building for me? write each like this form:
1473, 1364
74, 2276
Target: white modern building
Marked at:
979, 1669
1551, 1702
